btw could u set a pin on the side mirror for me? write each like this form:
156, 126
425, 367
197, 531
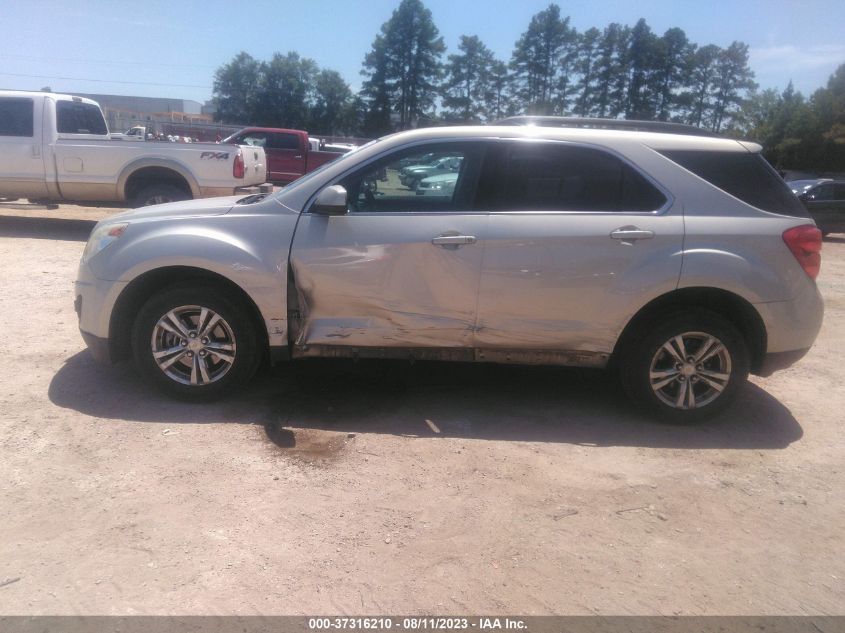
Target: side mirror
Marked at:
330, 201
803, 197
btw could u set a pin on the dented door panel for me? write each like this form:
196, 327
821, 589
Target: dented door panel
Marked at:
377, 280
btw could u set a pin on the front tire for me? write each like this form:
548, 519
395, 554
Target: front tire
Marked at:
195, 342
685, 367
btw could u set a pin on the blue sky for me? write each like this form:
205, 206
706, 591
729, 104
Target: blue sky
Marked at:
171, 49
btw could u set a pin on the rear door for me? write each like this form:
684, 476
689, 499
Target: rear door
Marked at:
578, 238
21, 160
399, 270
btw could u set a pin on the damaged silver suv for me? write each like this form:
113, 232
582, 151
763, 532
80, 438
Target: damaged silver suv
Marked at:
679, 259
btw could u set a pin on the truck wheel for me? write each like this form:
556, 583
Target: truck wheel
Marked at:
685, 367
194, 342
158, 194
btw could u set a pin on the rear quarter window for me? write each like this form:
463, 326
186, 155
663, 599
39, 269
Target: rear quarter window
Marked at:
74, 117
16, 117
743, 175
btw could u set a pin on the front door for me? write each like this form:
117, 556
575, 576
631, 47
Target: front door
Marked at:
400, 270
578, 238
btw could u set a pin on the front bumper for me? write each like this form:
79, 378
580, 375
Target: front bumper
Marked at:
94, 301
99, 347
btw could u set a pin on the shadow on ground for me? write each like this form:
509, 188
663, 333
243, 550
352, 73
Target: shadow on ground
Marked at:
46, 228
488, 402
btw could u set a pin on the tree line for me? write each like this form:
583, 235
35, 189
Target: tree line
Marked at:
616, 72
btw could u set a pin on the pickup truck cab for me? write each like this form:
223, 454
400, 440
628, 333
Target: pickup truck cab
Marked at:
290, 153
57, 148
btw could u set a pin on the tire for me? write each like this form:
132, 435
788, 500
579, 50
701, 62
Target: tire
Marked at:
159, 194
714, 383
193, 370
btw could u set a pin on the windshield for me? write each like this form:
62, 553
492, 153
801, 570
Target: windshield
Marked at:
798, 186
307, 177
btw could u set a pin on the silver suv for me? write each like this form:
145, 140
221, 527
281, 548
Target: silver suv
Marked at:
682, 261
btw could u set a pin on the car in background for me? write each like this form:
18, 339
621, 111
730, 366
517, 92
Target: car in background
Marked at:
442, 185
412, 175
290, 153
825, 201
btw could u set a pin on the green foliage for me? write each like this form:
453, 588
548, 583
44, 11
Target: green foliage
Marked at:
798, 133
467, 91
618, 71
288, 91
403, 68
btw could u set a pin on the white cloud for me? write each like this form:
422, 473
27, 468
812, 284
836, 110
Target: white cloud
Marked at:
791, 58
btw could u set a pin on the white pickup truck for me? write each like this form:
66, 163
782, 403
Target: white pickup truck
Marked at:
57, 148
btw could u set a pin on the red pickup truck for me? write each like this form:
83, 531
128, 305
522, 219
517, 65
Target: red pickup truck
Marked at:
289, 152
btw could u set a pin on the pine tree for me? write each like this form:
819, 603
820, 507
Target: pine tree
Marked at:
466, 83
403, 67
587, 67
536, 60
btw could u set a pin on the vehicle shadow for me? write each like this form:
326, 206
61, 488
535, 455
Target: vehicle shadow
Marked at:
839, 239
487, 402
46, 228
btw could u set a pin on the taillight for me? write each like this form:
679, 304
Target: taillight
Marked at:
238, 168
805, 242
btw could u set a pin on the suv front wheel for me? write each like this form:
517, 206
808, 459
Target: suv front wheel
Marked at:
195, 342
685, 367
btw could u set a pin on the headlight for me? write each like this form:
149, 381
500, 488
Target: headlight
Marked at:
101, 238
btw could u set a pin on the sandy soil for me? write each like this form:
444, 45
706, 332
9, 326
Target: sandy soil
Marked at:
389, 488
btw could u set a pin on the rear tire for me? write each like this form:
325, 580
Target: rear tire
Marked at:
194, 342
159, 194
685, 367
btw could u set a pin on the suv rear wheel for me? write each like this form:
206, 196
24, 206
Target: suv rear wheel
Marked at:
194, 342
685, 367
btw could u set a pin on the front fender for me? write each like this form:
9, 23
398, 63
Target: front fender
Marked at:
251, 252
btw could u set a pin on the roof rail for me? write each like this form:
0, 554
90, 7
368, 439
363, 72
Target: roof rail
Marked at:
607, 124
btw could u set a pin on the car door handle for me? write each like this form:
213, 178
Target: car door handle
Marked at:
631, 233
453, 240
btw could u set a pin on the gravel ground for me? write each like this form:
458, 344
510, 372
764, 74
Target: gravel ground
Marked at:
390, 488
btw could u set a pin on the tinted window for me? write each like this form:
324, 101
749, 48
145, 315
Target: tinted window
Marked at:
744, 175
74, 117
284, 141
15, 117
401, 183
822, 193
557, 177
839, 193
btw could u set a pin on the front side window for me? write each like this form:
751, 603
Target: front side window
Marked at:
75, 117
16, 117
561, 177
823, 193
435, 178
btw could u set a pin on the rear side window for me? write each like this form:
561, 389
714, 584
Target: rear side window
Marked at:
744, 175
284, 141
558, 177
15, 117
74, 117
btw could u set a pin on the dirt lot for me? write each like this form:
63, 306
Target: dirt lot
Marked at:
389, 488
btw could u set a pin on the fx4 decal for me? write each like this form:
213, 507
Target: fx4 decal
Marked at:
214, 155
